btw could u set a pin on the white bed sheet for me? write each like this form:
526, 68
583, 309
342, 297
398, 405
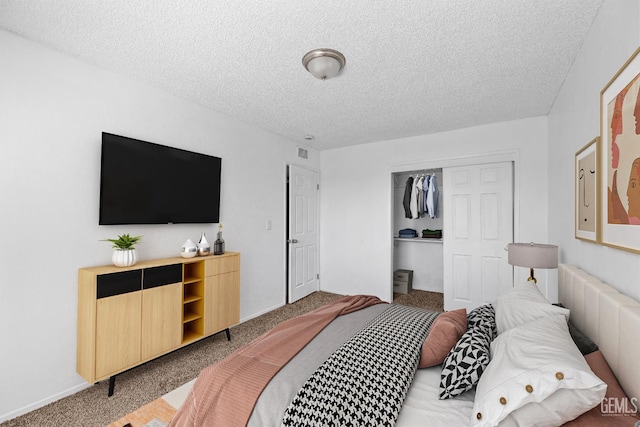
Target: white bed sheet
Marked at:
422, 406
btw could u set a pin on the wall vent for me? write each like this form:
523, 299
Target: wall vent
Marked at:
303, 153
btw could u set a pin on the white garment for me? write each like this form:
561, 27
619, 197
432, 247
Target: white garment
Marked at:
432, 197
414, 201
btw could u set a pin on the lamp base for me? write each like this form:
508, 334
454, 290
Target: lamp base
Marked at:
531, 277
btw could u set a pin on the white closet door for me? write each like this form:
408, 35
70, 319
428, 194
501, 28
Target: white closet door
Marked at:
478, 224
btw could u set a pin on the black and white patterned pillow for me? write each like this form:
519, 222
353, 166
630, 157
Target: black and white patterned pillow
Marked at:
485, 314
466, 361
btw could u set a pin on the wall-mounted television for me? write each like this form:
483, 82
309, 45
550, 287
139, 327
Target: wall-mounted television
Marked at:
146, 183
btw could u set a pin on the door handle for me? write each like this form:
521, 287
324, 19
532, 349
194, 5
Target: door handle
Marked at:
292, 241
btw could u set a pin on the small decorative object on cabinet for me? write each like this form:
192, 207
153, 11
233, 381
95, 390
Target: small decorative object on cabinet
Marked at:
204, 248
124, 257
128, 316
188, 249
218, 245
124, 254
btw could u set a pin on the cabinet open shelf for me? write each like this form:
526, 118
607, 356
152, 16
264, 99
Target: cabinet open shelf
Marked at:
192, 310
193, 291
193, 272
190, 317
193, 330
191, 298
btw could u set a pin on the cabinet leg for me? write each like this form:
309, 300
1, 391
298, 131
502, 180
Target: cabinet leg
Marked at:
228, 334
112, 385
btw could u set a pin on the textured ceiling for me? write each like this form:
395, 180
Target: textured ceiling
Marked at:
413, 67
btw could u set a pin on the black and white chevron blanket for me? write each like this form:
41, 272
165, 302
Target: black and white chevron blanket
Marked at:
365, 381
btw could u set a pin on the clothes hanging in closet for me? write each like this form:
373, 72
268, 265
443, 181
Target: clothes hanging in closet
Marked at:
432, 197
425, 189
420, 196
406, 202
414, 200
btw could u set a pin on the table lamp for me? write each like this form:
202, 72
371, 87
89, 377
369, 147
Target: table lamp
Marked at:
533, 255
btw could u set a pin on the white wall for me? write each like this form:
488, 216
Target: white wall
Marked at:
574, 121
52, 111
356, 196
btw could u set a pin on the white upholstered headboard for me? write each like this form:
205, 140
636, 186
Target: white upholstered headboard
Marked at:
608, 318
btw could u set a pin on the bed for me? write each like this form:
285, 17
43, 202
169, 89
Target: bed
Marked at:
517, 361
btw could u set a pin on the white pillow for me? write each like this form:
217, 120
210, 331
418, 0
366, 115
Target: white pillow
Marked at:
523, 304
536, 377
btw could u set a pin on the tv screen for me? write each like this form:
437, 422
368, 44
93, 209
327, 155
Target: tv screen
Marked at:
146, 183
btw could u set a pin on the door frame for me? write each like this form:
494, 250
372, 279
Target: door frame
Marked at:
444, 162
285, 236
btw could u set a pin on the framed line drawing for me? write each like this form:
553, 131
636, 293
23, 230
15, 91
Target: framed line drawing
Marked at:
586, 191
619, 212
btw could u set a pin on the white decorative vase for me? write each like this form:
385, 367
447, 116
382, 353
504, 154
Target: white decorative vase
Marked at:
124, 257
188, 250
204, 248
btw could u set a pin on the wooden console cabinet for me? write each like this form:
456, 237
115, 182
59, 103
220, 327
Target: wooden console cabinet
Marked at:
128, 316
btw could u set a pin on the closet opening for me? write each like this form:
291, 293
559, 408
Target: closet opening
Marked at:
417, 231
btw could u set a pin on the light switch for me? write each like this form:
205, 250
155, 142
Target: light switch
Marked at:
268, 225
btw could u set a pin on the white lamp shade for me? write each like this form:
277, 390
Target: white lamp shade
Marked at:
323, 67
533, 255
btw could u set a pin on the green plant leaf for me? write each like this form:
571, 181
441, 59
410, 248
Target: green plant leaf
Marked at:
124, 241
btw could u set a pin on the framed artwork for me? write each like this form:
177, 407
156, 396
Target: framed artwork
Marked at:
619, 189
586, 179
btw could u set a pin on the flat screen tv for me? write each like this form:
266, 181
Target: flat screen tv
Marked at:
146, 183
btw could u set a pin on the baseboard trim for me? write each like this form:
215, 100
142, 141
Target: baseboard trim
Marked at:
39, 404
437, 291
253, 316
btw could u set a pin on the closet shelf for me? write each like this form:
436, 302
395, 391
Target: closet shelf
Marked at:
416, 240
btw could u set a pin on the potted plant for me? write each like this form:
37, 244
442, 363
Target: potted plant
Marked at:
124, 254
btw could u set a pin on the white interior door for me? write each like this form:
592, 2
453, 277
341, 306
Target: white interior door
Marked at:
302, 233
478, 225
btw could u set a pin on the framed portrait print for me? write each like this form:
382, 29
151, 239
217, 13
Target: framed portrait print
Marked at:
619, 189
586, 181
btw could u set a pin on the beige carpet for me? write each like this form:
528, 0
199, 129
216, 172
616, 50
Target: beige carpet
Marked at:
144, 384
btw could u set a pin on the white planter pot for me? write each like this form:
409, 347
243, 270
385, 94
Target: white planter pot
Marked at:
124, 257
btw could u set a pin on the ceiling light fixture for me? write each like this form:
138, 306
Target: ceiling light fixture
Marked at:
323, 64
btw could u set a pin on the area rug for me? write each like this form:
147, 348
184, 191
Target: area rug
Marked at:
157, 413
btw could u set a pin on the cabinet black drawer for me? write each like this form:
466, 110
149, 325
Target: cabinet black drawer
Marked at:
164, 275
119, 283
